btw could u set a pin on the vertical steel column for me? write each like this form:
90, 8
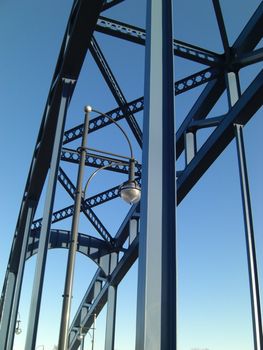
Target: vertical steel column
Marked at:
14, 282
233, 88
250, 241
233, 95
19, 277
7, 307
111, 318
190, 146
111, 309
47, 215
156, 302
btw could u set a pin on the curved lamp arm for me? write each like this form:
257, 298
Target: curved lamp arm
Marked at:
129, 191
96, 172
122, 130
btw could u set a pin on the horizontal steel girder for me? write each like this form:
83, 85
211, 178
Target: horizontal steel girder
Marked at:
90, 202
91, 247
97, 161
138, 35
137, 105
241, 112
102, 121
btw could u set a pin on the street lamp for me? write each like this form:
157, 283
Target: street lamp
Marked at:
129, 191
81, 335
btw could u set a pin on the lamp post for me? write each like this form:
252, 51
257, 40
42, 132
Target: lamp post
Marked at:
129, 191
82, 334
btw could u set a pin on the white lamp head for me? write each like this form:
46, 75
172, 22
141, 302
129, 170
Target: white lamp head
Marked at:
130, 192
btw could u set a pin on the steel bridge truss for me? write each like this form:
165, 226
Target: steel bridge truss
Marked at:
115, 253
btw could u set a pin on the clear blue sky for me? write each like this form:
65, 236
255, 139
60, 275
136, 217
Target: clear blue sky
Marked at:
214, 304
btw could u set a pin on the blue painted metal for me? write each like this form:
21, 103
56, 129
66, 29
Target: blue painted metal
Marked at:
250, 240
242, 111
248, 58
137, 105
190, 146
138, 36
115, 89
46, 222
111, 318
91, 247
247, 40
88, 212
102, 121
116, 274
98, 161
156, 300
76, 40
95, 305
9, 316
234, 93
222, 28
233, 88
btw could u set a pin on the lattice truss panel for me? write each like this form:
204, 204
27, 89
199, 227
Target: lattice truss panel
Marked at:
115, 252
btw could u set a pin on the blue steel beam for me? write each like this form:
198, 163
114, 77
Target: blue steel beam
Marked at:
102, 121
138, 35
246, 41
198, 109
83, 16
248, 58
251, 34
135, 106
99, 302
234, 93
156, 326
87, 211
95, 305
90, 202
14, 285
121, 237
241, 112
252, 37
250, 240
93, 248
196, 79
110, 3
222, 28
46, 222
98, 161
115, 89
